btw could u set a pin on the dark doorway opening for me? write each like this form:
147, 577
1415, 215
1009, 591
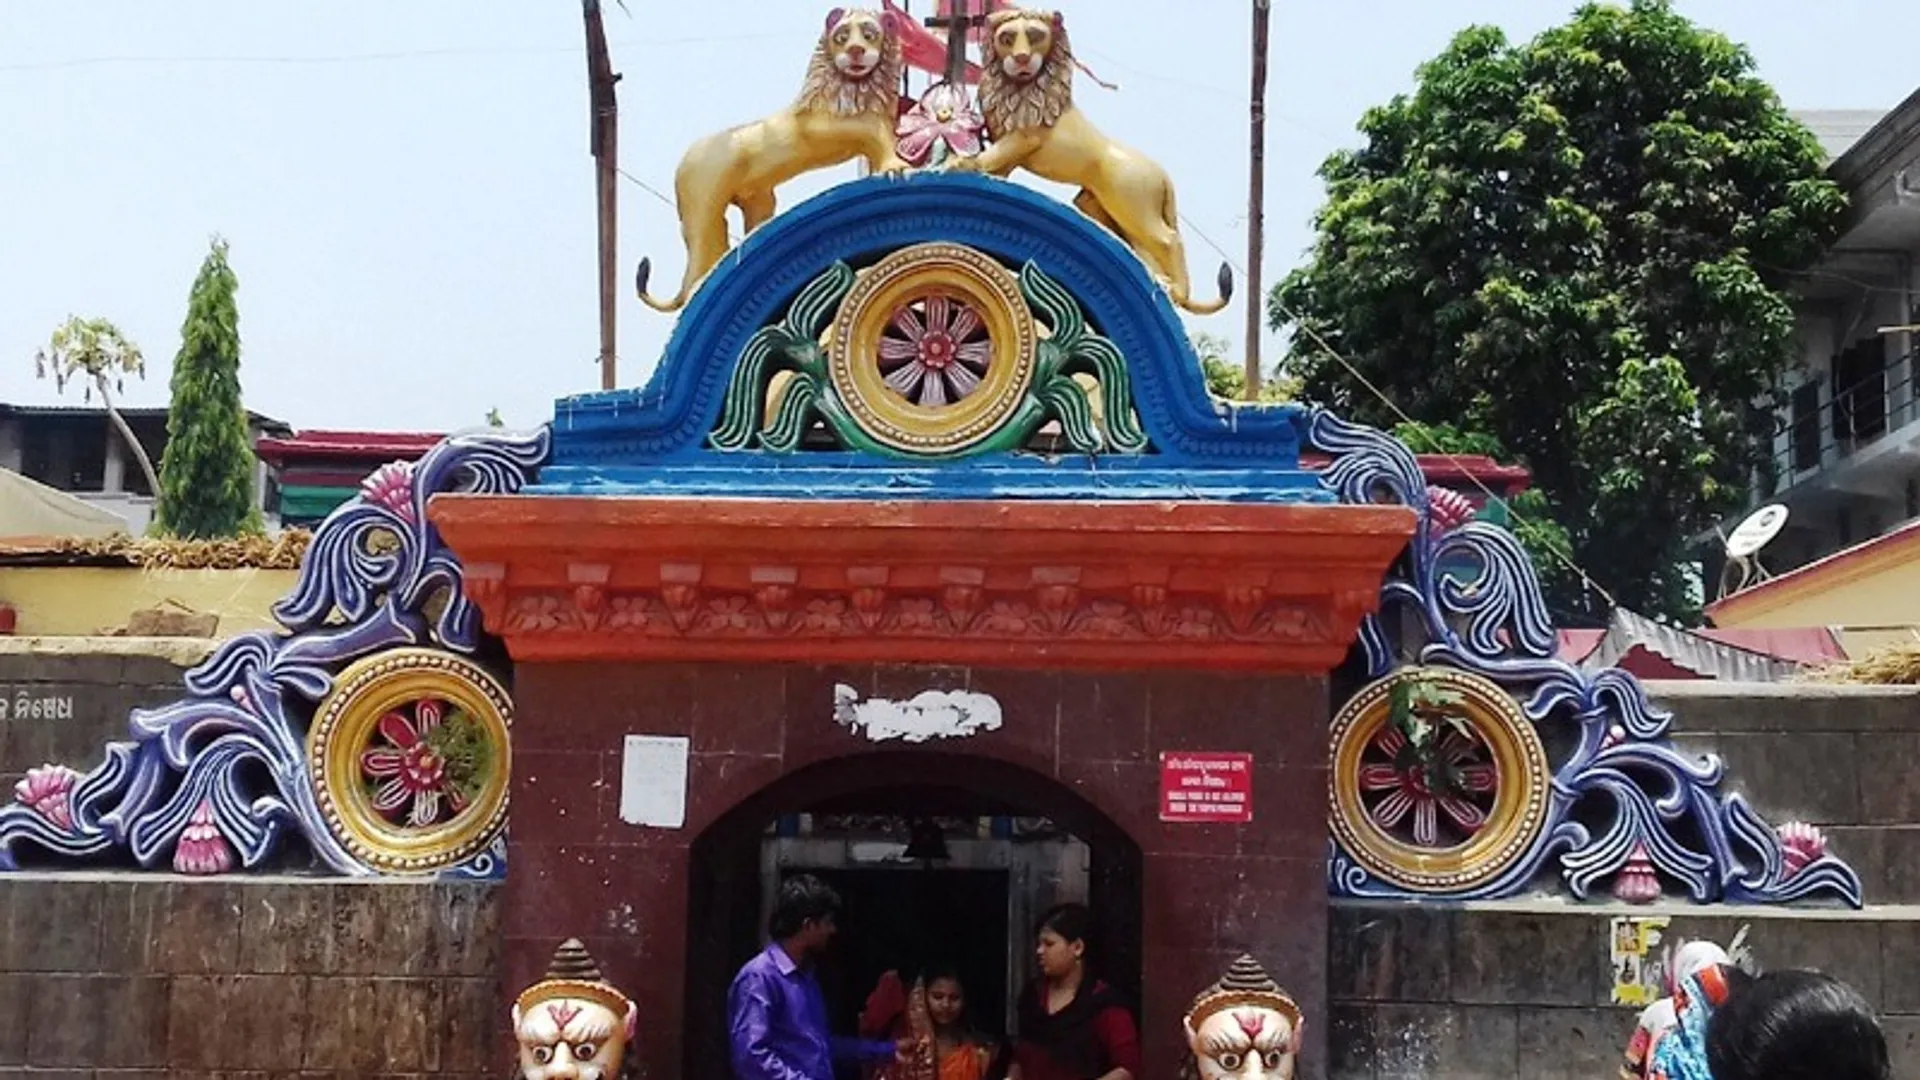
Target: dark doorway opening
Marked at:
972, 912
888, 914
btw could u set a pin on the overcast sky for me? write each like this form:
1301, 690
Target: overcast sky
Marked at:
409, 200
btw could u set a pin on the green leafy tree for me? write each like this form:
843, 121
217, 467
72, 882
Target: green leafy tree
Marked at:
94, 352
1580, 246
1227, 377
206, 473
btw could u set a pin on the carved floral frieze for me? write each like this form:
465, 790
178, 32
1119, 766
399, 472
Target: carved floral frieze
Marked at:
1145, 613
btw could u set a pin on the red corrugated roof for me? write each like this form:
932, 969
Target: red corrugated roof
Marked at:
1813, 646
1454, 470
309, 445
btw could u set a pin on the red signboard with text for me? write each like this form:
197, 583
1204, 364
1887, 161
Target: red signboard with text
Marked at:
1206, 787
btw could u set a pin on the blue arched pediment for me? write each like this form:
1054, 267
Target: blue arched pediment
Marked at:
621, 440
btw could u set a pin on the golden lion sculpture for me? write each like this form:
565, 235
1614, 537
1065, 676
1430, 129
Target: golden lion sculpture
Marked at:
847, 109
1026, 96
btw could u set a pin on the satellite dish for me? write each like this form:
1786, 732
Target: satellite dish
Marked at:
1757, 531
1743, 548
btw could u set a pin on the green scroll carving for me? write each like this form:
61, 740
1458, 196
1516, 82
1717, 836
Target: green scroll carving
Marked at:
794, 345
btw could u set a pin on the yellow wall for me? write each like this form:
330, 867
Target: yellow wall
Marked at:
60, 600
1873, 598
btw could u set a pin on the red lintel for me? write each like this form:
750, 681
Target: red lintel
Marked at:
1003, 583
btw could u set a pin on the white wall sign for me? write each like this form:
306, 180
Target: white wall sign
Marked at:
932, 714
653, 781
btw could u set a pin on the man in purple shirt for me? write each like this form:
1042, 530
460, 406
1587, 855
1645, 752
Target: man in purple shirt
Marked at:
775, 1011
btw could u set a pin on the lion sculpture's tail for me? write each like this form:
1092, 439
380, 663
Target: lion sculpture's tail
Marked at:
670, 305
1182, 291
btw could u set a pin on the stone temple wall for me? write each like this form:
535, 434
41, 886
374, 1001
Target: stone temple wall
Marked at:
62, 699
1842, 757
1492, 991
249, 977
1500, 990
125, 975
148, 976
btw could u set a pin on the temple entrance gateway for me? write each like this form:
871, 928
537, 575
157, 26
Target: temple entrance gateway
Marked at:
1060, 583
942, 859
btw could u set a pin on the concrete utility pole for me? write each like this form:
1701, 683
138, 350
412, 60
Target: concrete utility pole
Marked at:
1257, 196
605, 139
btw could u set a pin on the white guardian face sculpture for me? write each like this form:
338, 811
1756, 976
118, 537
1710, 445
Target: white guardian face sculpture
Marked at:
572, 1025
1244, 1027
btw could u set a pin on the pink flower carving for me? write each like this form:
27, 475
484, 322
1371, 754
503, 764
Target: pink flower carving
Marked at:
1803, 846
917, 615
48, 790
1104, 619
1638, 882
826, 615
934, 351
391, 486
1008, 617
728, 613
202, 849
1448, 509
943, 122
1407, 791
413, 776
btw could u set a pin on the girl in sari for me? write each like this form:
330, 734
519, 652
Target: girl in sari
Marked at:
935, 1013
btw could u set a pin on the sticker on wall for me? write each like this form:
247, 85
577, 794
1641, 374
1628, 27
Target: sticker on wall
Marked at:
1636, 972
653, 781
1206, 788
930, 714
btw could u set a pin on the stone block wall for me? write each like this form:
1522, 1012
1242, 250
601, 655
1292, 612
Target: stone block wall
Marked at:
92, 683
113, 978
138, 976
1841, 757
1495, 991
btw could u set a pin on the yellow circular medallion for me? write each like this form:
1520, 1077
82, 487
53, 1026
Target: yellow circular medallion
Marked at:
933, 349
410, 759
1448, 811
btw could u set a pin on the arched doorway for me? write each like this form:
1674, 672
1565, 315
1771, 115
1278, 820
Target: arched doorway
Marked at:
972, 909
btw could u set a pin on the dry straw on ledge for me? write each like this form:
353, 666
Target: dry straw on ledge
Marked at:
282, 552
1895, 666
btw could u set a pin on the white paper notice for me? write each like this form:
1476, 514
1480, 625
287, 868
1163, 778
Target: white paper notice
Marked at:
653, 781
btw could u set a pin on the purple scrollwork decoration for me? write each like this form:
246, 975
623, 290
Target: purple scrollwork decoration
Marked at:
218, 778
1472, 592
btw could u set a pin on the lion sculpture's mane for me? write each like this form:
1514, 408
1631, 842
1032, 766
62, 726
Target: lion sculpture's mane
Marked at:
1009, 105
827, 88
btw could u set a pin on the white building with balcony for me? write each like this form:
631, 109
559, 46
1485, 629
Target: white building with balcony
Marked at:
76, 449
1846, 453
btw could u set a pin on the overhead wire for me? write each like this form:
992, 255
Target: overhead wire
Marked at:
1319, 342
378, 57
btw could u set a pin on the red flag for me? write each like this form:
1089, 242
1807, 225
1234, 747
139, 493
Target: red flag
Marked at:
923, 50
